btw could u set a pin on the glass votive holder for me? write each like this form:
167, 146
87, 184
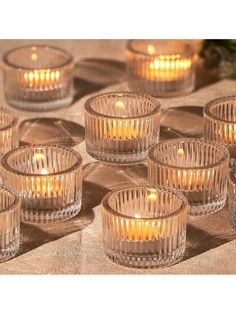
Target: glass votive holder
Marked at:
121, 126
232, 197
220, 123
48, 179
38, 78
163, 68
195, 167
8, 131
9, 224
144, 226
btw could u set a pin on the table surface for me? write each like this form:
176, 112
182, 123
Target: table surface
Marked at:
75, 246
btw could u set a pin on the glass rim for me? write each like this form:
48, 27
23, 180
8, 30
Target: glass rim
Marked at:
224, 158
184, 202
13, 121
6, 166
46, 47
190, 53
215, 101
16, 199
92, 112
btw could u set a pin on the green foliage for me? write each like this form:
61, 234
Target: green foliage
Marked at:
220, 54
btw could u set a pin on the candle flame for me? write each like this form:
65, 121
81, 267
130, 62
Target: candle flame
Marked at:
180, 152
153, 195
151, 49
120, 104
34, 56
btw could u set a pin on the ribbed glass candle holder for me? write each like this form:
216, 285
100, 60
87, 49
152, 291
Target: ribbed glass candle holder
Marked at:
164, 68
121, 126
48, 179
195, 167
220, 123
38, 78
232, 198
9, 224
144, 226
8, 131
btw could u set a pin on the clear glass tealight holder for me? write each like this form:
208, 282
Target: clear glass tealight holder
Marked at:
48, 179
9, 224
195, 167
8, 131
163, 68
38, 78
220, 123
121, 126
144, 226
232, 197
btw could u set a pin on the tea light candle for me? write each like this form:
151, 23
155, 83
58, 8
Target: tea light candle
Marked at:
200, 172
9, 224
144, 226
161, 67
121, 126
38, 78
48, 179
220, 123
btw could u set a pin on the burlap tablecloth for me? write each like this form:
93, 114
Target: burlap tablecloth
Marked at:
75, 246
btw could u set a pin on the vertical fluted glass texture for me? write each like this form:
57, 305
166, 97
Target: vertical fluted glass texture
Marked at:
48, 179
195, 167
163, 68
144, 226
220, 123
38, 78
9, 224
232, 198
121, 126
8, 131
